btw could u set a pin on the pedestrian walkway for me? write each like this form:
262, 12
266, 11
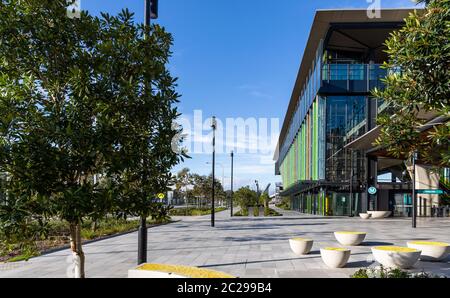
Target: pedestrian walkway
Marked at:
243, 247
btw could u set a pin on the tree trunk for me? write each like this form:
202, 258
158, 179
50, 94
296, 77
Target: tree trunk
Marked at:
94, 225
77, 250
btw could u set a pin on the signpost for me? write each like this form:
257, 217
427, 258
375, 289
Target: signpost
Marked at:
372, 190
430, 191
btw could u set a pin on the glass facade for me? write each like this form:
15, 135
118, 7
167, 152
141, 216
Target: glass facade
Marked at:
346, 119
334, 108
353, 77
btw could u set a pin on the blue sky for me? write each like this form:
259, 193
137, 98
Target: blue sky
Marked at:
235, 59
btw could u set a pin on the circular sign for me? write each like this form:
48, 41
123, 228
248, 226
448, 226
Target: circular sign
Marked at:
161, 196
373, 190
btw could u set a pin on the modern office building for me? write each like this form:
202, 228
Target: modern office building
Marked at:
324, 147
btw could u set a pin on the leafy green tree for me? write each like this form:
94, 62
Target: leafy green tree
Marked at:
202, 188
421, 53
182, 181
245, 197
81, 98
146, 152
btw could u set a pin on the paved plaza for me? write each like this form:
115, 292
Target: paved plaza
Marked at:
243, 247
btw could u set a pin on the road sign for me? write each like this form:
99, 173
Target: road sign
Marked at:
161, 196
372, 190
430, 191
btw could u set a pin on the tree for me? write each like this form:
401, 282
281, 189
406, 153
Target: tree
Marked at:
420, 51
245, 197
183, 180
145, 153
78, 98
202, 188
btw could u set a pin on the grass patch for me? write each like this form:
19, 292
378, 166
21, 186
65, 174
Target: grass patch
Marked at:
194, 211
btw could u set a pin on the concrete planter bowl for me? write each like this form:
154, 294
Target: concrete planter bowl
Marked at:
335, 257
431, 251
301, 246
364, 215
379, 214
396, 256
173, 271
350, 238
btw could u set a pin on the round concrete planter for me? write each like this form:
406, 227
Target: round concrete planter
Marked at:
174, 271
379, 214
364, 215
395, 256
431, 251
335, 257
350, 238
301, 246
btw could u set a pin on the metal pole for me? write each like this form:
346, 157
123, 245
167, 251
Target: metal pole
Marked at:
148, 12
414, 199
257, 190
142, 233
231, 199
351, 183
213, 173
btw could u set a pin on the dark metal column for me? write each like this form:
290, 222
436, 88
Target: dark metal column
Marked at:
232, 194
213, 210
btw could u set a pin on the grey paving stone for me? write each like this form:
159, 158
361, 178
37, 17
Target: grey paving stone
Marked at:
256, 247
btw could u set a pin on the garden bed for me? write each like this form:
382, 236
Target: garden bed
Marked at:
194, 211
58, 237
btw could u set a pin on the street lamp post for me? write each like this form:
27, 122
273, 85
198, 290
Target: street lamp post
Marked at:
414, 199
352, 174
151, 12
214, 126
231, 199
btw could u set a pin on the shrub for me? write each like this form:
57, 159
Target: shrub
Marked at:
285, 204
271, 212
389, 273
256, 211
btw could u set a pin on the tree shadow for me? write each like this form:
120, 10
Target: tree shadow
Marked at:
358, 264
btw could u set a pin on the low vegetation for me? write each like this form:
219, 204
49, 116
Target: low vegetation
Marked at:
57, 234
256, 211
242, 212
389, 273
285, 204
271, 212
194, 211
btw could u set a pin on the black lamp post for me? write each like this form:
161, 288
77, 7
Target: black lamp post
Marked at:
214, 126
414, 198
151, 12
231, 199
352, 175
